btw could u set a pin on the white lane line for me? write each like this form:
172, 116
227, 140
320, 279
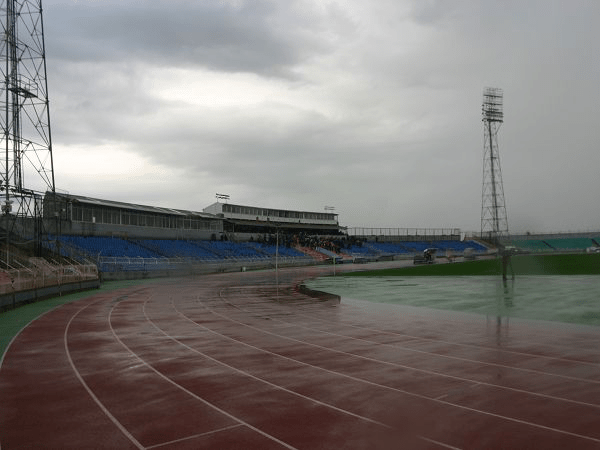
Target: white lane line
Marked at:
297, 362
23, 328
402, 366
512, 419
87, 388
190, 393
440, 443
262, 380
19, 333
481, 347
458, 358
39, 317
484, 383
312, 316
187, 438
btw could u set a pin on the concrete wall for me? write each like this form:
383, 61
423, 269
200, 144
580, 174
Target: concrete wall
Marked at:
19, 298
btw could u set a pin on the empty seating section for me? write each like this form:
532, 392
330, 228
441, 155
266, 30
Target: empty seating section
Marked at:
570, 243
160, 254
211, 251
108, 246
271, 250
417, 246
458, 246
388, 248
356, 250
179, 249
533, 245
208, 251
477, 246
231, 250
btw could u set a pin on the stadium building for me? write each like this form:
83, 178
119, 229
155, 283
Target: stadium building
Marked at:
85, 236
253, 219
77, 215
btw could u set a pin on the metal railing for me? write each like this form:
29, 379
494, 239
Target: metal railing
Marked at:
123, 263
407, 234
44, 275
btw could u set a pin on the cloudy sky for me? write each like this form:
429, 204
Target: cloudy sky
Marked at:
373, 107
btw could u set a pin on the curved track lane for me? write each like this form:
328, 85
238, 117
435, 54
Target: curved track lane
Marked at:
233, 361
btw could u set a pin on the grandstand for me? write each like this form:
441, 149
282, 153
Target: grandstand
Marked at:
120, 254
126, 238
377, 250
556, 242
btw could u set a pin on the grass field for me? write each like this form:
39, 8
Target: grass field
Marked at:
554, 264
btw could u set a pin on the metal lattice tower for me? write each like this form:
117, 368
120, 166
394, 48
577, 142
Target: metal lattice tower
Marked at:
26, 165
494, 222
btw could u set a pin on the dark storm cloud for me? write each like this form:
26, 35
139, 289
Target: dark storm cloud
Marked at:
213, 34
373, 107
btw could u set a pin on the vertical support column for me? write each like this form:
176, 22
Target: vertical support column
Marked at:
26, 167
494, 221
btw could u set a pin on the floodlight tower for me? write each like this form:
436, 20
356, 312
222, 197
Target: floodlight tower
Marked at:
494, 222
26, 164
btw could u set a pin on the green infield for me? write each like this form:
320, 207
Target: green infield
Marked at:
557, 298
549, 264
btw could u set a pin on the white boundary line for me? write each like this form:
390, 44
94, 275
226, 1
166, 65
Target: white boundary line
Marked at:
39, 316
231, 416
241, 287
431, 372
262, 380
395, 389
275, 385
87, 388
482, 347
531, 355
187, 438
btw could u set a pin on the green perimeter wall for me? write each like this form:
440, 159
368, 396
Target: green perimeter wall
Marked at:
562, 264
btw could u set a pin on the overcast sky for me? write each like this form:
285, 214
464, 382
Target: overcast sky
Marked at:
373, 107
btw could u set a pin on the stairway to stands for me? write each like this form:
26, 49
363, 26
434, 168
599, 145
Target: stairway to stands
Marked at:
317, 256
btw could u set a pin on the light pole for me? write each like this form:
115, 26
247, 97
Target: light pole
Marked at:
277, 260
330, 209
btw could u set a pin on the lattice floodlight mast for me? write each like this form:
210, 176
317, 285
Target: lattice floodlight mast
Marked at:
26, 165
494, 222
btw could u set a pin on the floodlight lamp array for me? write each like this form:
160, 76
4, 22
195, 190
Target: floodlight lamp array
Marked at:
492, 108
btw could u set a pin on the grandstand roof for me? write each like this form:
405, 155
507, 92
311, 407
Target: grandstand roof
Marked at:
130, 206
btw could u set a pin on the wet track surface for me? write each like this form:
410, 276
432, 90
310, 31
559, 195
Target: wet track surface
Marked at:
233, 361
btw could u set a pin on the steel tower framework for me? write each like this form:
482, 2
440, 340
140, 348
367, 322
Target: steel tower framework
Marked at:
494, 222
26, 164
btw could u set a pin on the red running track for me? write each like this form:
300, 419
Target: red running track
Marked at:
231, 361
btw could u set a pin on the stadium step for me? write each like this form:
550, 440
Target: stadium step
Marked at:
317, 256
